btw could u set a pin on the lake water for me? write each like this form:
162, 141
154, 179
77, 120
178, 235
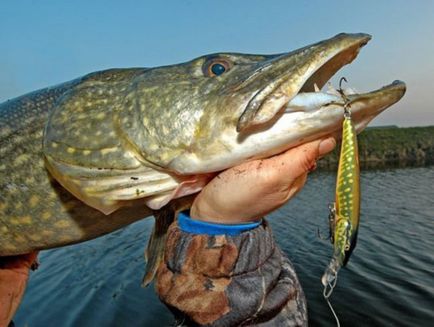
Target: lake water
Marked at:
389, 280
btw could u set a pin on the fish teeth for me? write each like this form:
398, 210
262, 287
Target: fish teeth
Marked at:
350, 90
316, 88
331, 90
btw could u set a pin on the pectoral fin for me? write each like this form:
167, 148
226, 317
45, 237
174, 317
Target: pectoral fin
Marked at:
154, 253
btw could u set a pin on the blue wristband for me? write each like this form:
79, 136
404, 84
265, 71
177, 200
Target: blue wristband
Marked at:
189, 225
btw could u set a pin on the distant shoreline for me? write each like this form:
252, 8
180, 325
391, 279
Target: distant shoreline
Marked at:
391, 146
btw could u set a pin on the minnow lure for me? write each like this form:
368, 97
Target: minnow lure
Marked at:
345, 211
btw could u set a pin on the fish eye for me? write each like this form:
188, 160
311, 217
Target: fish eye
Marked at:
216, 67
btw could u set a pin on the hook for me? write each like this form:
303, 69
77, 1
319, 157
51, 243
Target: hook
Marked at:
340, 82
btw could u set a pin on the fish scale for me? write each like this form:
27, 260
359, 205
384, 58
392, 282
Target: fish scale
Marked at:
93, 155
35, 211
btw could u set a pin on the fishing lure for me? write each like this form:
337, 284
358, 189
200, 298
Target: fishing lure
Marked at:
345, 211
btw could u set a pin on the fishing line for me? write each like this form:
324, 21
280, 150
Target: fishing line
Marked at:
179, 322
334, 313
327, 294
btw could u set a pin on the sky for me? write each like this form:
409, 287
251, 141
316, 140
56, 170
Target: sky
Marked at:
43, 43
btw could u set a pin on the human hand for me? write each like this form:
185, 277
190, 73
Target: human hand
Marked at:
253, 189
14, 273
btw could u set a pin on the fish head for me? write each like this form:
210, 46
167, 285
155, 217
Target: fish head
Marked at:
219, 110
161, 133
183, 110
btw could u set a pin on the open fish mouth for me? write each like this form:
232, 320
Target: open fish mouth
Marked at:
304, 73
364, 106
291, 104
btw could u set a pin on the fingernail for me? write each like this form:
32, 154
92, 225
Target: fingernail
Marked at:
326, 146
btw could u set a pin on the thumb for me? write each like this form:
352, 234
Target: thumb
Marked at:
299, 160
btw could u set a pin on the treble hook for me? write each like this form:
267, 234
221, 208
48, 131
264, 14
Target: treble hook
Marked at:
331, 219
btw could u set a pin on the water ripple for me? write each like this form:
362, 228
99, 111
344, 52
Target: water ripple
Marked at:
388, 281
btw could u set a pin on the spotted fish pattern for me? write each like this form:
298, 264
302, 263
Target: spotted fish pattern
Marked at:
347, 194
35, 211
344, 215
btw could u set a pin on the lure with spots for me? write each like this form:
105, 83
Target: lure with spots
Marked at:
345, 213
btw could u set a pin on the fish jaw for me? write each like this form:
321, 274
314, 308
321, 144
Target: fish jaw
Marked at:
297, 71
316, 115
168, 113
277, 106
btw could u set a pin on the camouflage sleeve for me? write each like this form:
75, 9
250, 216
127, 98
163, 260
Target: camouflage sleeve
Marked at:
223, 280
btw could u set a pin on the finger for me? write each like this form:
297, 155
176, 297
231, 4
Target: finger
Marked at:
326, 146
30, 259
300, 159
13, 279
19, 262
297, 185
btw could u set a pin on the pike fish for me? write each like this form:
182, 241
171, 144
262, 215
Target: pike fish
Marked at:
87, 157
